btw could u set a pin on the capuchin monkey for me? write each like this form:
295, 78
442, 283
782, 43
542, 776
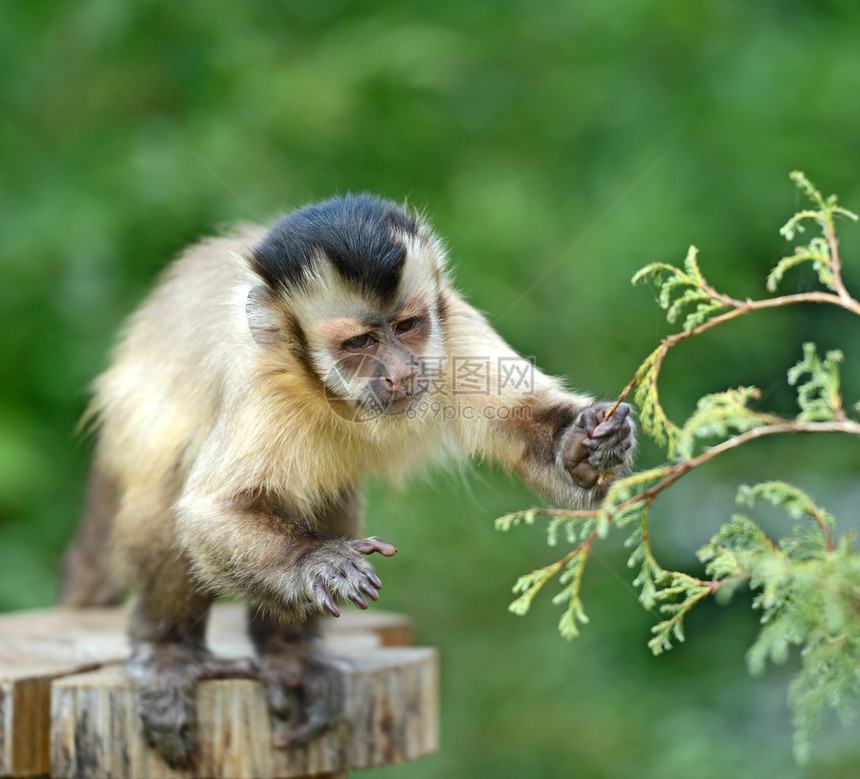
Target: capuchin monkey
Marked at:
268, 374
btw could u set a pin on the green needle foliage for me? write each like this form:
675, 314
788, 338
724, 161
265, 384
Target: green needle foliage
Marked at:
806, 583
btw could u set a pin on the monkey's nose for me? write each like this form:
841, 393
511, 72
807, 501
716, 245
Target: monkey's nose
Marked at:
396, 383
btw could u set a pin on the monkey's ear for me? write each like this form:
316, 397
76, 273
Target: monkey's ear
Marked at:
262, 319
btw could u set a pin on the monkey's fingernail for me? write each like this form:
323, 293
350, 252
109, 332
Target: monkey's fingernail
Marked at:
374, 580
369, 591
604, 428
330, 605
358, 600
590, 450
589, 420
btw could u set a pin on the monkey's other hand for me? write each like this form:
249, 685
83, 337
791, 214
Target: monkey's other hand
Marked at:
165, 675
595, 445
336, 570
302, 690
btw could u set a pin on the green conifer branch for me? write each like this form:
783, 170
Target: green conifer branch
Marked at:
807, 584
680, 594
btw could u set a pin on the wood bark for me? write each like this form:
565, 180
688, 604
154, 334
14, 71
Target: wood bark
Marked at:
68, 709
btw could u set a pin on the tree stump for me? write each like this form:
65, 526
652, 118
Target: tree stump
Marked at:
67, 708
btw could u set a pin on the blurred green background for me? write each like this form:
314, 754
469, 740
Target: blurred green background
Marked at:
583, 139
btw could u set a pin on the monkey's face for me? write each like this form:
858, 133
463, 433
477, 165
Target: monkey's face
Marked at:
373, 359
380, 364
353, 287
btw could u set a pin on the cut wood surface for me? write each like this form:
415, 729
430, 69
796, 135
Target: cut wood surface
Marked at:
67, 708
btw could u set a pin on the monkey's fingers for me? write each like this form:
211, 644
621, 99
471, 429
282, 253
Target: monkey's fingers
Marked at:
587, 421
373, 544
325, 599
374, 579
355, 597
574, 451
369, 590
615, 450
362, 572
359, 579
612, 423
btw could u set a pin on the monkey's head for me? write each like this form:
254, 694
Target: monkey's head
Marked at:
353, 287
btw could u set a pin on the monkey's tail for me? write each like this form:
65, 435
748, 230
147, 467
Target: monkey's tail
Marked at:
86, 577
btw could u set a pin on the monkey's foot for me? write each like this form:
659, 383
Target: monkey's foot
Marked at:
304, 691
165, 675
597, 444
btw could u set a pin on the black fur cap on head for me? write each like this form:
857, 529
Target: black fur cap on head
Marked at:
355, 232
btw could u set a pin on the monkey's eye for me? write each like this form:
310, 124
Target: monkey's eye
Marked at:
359, 341
405, 325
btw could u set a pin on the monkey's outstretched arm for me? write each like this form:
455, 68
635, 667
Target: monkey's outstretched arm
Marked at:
239, 544
562, 444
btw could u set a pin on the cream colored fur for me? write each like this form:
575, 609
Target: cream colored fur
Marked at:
193, 412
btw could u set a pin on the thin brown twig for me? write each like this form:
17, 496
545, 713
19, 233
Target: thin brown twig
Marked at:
778, 427
739, 308
584, 546
647, 497
825, 531
782, 427
835, 263
842, 424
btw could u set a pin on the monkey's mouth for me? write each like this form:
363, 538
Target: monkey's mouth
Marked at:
402, 402
401, 405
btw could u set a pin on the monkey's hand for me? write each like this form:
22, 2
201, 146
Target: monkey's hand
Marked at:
335, 569
594, 447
